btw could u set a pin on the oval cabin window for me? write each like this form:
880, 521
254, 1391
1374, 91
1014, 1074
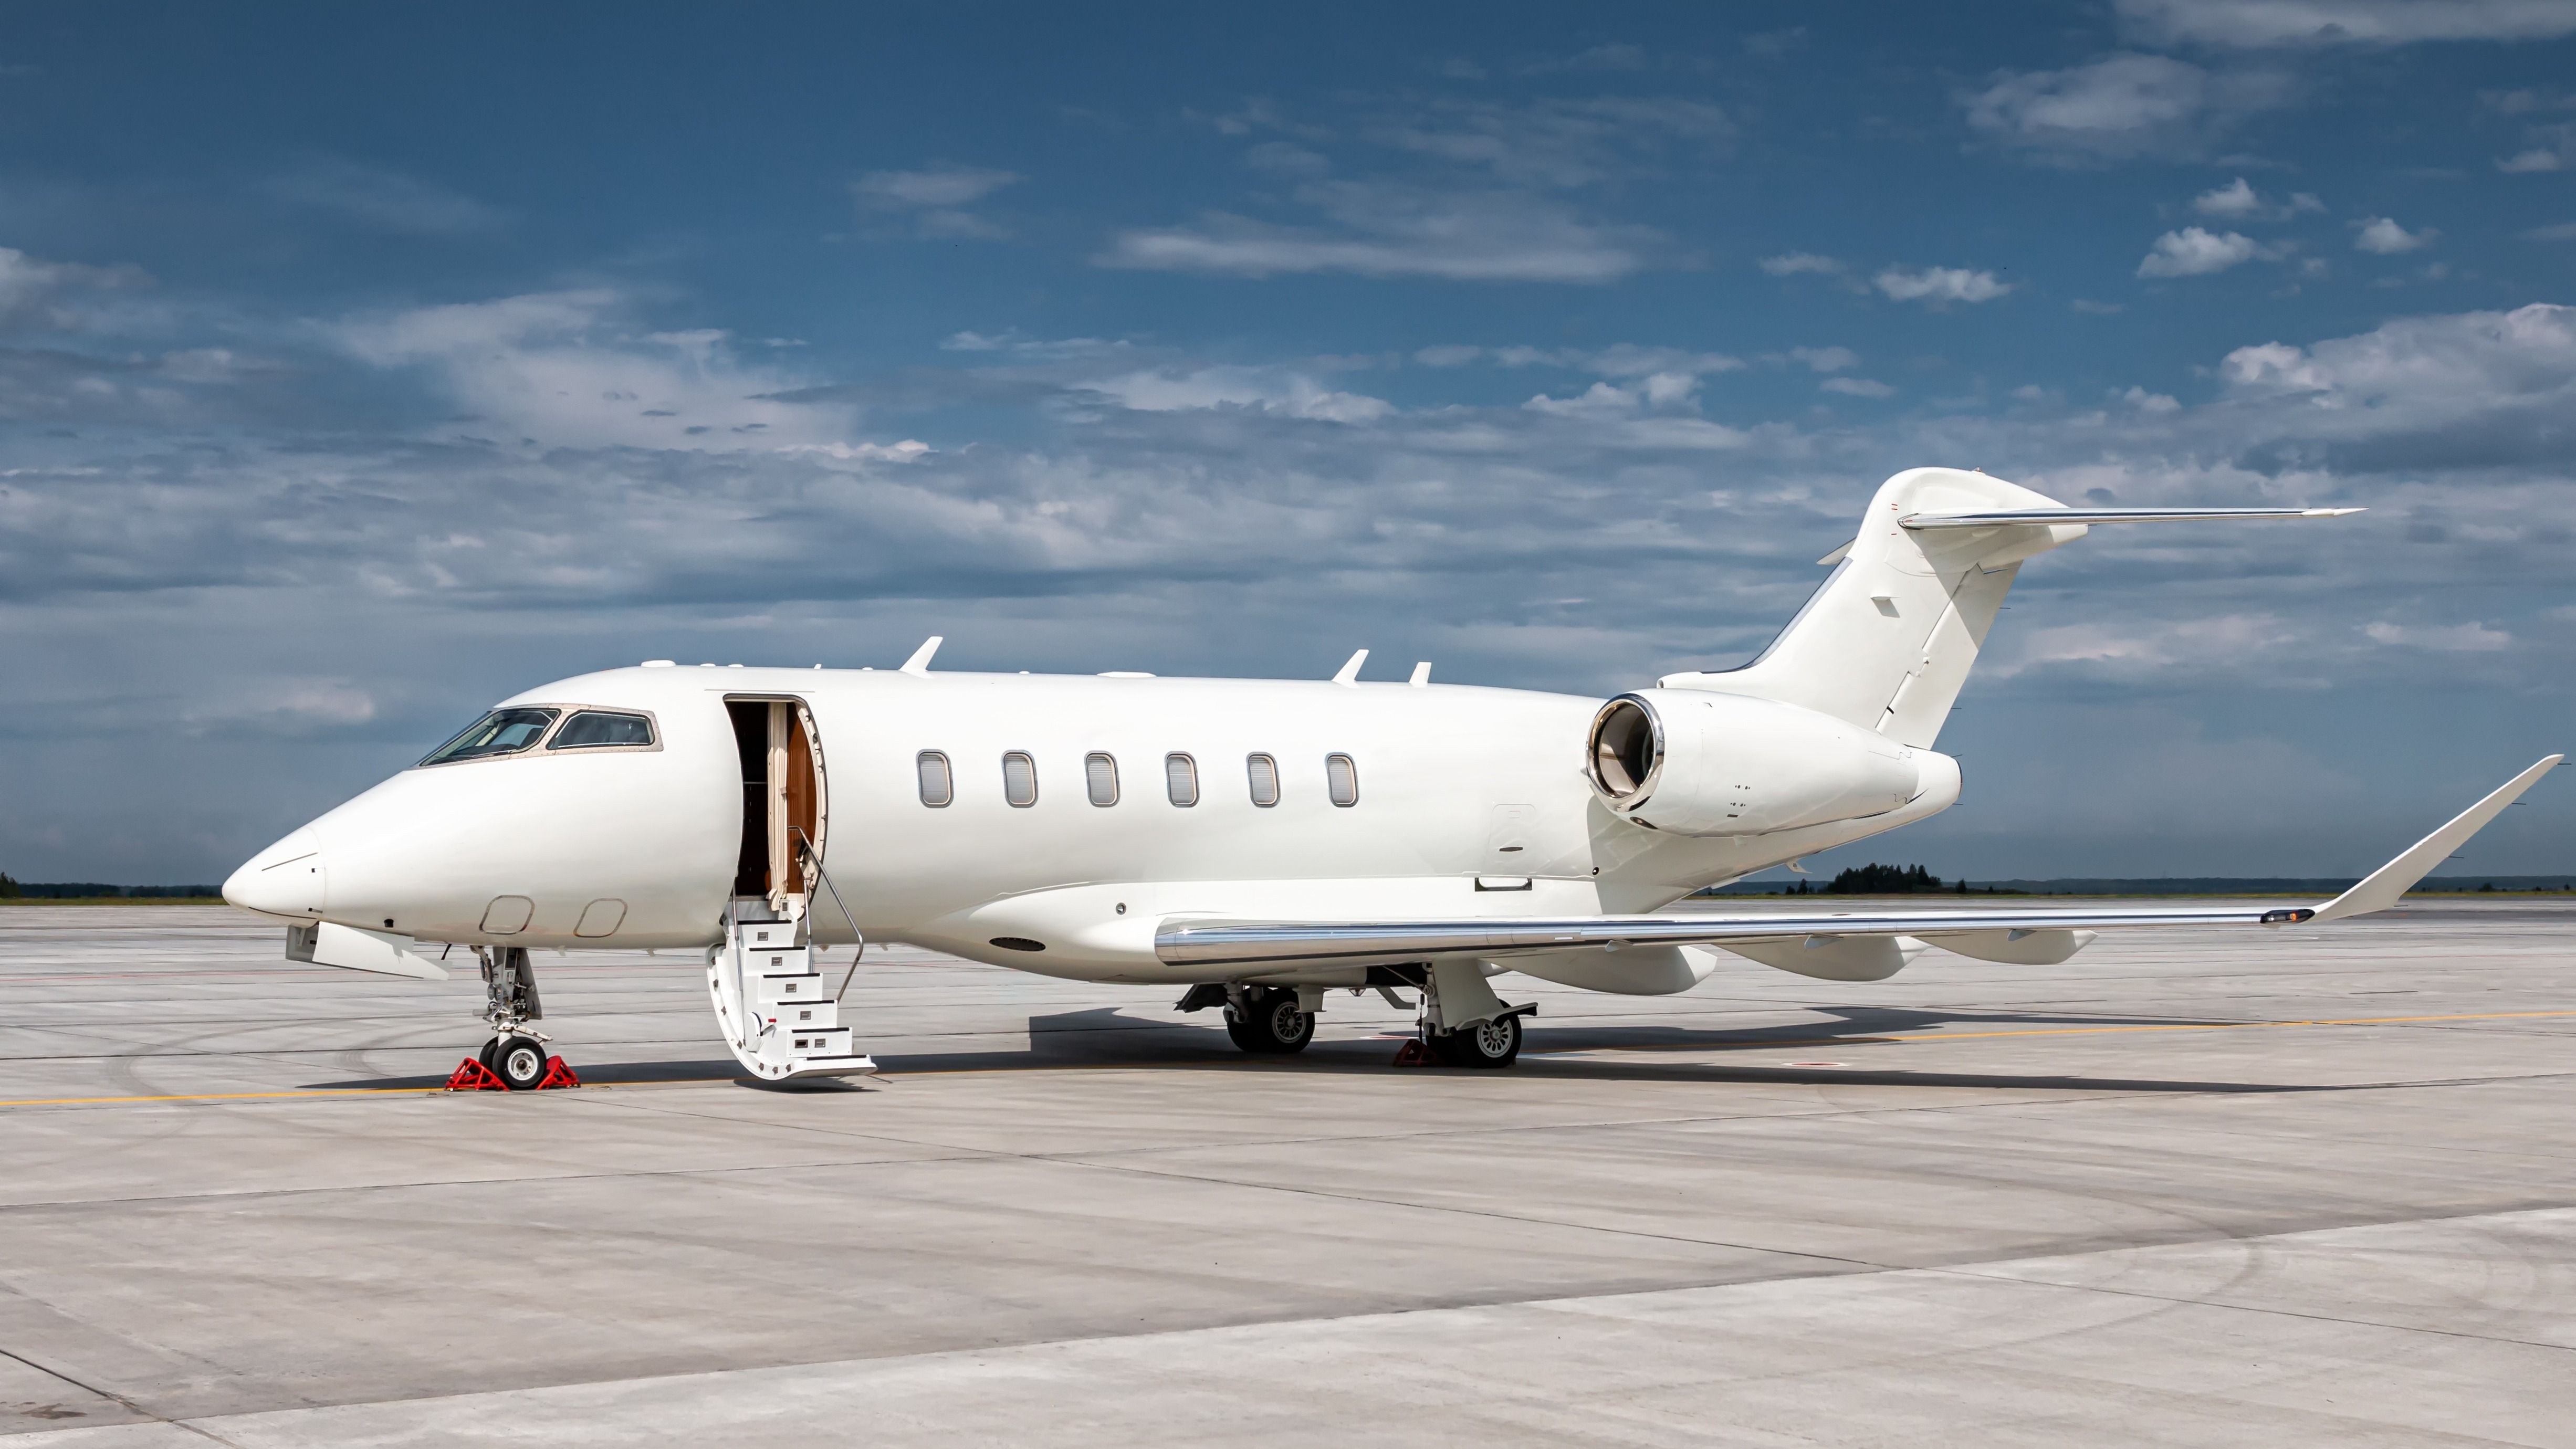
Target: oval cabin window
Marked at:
1265, 779
1343, 779
1019, 779
1181, 779
1100, 778
938, 786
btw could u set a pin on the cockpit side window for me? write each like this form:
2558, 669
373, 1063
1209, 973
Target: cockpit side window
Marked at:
596, 729
502, 732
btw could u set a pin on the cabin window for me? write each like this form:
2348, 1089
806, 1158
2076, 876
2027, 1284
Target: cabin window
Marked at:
1100, 778
502, 732
1265, 779
938, 787
1019, 779
1342, 778
1181, 779
595, 729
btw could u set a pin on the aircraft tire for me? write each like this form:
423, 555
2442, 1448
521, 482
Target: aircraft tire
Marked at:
520, 1062
1241, 1031
1488, 1044
1271, 1023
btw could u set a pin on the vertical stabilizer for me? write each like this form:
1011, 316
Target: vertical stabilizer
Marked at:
1887, 641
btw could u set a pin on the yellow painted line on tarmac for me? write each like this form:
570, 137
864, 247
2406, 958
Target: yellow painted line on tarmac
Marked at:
1736, 1045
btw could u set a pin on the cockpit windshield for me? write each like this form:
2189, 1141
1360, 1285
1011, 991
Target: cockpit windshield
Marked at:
502, 732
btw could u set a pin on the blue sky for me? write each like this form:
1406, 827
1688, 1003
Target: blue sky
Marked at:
360, 365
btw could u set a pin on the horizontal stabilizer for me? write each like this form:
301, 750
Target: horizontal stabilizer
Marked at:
2031, 517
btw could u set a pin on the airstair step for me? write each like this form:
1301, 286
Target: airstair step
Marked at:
832, 1041
780, 988
809, 1015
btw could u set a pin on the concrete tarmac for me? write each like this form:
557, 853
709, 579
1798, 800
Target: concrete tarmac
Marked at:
2311, 1186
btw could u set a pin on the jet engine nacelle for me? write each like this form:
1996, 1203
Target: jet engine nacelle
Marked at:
1697, 762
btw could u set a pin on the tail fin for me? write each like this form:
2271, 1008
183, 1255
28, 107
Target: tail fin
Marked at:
1886, 642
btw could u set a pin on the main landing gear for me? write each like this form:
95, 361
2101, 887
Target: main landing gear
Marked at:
1269, 1019
1495, 1043
1275, 1020
515, 1059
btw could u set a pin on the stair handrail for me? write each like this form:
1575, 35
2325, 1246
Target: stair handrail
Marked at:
805, 846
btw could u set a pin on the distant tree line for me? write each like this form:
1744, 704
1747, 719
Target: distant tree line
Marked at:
1875, 879
81, 890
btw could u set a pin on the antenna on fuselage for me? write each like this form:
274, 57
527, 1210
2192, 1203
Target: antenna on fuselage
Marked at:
919, 663
1421, 674
1350, 673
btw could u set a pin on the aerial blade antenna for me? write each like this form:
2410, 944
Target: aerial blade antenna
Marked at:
919, 663
1350, 672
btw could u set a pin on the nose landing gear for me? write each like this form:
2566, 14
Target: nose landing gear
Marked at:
515, 1059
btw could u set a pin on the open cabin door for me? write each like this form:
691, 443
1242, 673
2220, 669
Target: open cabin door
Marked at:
769, 1000
783, 801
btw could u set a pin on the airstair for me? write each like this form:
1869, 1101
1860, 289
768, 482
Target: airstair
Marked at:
778, 1014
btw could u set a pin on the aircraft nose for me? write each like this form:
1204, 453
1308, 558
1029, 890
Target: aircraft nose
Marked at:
287, 879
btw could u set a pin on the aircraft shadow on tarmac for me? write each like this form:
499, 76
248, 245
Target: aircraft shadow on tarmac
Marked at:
1106, 1038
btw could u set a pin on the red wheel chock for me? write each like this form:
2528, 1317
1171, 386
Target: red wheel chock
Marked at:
472, 1076
1415, 1053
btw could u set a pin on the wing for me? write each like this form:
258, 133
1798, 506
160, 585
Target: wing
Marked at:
1202, 942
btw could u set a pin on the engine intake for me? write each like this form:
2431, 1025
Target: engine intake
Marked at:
1702, 763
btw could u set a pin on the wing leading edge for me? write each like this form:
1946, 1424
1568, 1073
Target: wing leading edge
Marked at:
1205, 942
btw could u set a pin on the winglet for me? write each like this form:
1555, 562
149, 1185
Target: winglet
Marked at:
2391, 881
1350, 673
919, 664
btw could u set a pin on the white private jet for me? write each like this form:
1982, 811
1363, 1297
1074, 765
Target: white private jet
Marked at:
1257, 842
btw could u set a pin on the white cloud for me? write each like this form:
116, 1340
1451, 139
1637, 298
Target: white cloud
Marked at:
2148, 402
38, 292
384, 199
1856, 387
2553, 148
935, 186
1659, 392
285, 707
1270, 390
2239, 201
936, 197
1390, 229
1939, 286
2387, 238
1448, 354
2236, 198
1557, 142
2123, 106
1790, 264
2269, 23
559, 369
2416, 362
2556, 231
1824, 359
2471, 638
2195, 251
1627, 359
